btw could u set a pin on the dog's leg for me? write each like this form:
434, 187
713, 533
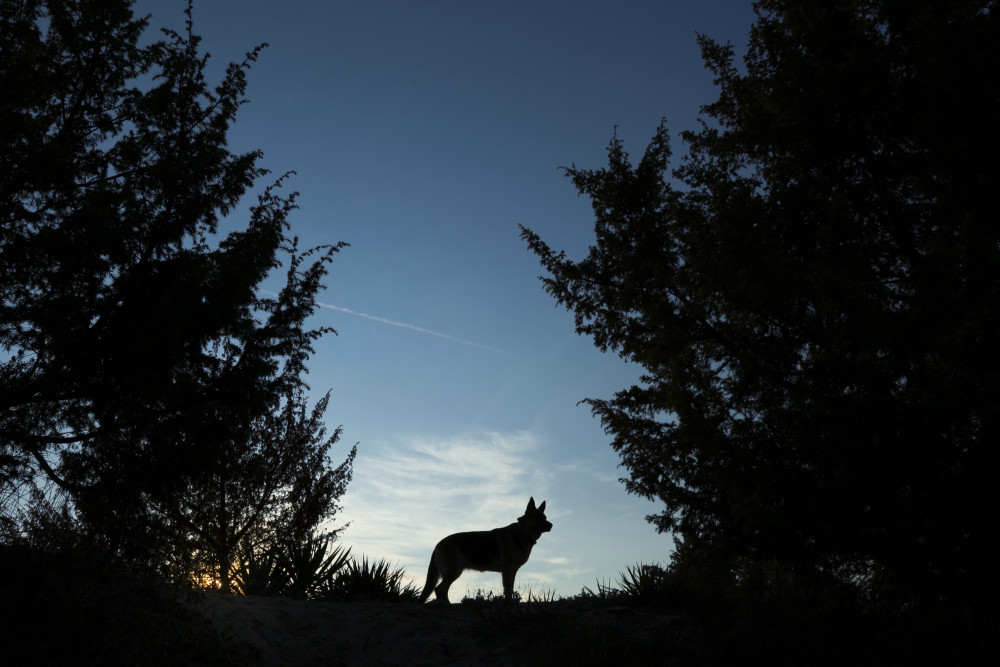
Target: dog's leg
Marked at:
508, 582
447, 579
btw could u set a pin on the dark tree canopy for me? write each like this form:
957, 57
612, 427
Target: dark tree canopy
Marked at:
274, 488
136, 342
815, 296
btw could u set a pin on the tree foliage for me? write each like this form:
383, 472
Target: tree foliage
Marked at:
815, 296
130, 322
272, 490
142, 361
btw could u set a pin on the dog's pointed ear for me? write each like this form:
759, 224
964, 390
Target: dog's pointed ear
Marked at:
541, 508
531, 505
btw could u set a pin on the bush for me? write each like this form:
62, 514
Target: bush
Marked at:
364, 580
298, 570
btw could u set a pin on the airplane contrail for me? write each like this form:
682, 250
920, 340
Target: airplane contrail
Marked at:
413, 327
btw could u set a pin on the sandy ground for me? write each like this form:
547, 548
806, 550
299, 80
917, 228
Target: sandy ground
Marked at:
278, 631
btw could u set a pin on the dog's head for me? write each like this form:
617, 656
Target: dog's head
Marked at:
534, 521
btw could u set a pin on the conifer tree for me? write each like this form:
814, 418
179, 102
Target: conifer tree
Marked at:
814, 294
137, 343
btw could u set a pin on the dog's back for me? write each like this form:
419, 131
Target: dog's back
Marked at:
480, 550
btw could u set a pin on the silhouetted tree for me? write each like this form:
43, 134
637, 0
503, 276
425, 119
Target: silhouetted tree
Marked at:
817, 306
271, 489
137, 344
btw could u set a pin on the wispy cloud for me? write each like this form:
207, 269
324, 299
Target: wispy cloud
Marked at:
410, 492
408, 495
413, 327
587, 468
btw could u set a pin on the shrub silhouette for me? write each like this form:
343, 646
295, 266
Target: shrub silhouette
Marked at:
376, 581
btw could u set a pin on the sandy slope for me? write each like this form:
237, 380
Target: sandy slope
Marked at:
277, 631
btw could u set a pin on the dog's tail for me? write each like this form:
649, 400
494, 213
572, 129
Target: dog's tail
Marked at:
432, 579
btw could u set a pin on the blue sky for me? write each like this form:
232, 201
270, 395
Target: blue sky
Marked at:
423, 134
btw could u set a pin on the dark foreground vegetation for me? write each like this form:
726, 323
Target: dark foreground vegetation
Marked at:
153, 401
78, 609
813, 293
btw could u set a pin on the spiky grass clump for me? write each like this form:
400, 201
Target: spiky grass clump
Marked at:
260, 573
298, 570
312, 567
647, 584
375, 580
642, 583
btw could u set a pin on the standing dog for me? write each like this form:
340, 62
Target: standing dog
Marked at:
502, 550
